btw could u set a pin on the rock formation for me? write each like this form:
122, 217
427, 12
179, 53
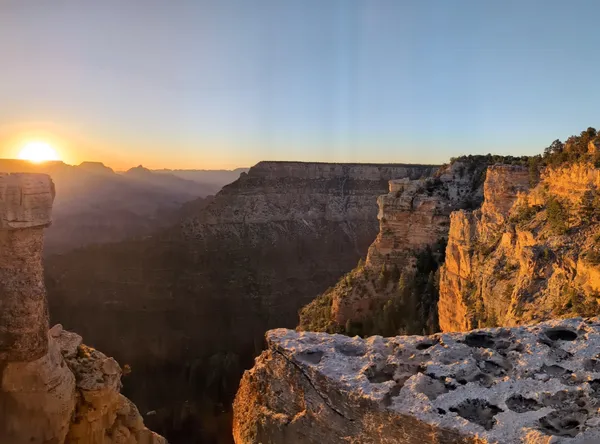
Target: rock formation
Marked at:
413, 221
197, 299
53, 389
535, 385
530, 253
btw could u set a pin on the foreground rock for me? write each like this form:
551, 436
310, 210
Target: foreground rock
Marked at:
537, 384
53, 389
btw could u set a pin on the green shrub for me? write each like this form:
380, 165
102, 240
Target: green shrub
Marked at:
524, 214
316, 316
557, 216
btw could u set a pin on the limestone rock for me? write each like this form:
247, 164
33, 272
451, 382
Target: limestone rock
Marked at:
25, 200
413, 217
37, 399
536, 384
25, 209
53, 389
102, 414
529, 254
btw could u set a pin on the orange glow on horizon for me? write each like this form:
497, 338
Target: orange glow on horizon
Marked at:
38, 152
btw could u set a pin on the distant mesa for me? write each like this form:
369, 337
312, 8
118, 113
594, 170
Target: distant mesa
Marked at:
96, 167
139, 170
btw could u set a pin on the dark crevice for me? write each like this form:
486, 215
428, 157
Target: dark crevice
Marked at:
321, 395
561, 334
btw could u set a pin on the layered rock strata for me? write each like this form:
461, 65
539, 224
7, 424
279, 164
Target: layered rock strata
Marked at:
413, 217
536, 384
530, 253
25, 208
53, 389
469, 230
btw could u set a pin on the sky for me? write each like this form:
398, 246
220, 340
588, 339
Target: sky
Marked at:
227, 83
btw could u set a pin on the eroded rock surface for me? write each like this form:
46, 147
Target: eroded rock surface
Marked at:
536, 384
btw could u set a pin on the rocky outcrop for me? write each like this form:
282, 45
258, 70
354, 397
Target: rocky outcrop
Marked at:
529, 254
25, 208
198, 298
413, 220
535, 385
53, 389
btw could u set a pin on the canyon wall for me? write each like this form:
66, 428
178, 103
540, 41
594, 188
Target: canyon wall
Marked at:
188, 307
535, 385
53, 389
413, 227
532, 252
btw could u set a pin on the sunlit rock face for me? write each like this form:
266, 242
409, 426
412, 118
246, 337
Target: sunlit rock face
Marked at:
413, 216
536, 384
53, 389
529, 254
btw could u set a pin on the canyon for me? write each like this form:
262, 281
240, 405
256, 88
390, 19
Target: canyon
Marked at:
486, 242
187, 307
53, 388
392, 291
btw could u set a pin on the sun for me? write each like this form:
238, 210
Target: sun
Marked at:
38, 152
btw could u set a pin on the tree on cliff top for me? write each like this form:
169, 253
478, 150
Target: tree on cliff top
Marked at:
575, 149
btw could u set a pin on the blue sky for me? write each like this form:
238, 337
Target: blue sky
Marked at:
226, 83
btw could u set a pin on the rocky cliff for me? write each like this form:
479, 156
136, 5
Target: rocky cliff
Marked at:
187, 308
530, 253
414, 217
53, 389
535, 385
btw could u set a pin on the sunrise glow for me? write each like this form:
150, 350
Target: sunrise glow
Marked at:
38, 152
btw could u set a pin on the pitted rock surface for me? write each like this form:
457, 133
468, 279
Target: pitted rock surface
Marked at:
535, 384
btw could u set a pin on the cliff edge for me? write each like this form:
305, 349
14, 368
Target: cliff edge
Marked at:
537, 384
393, 290
531, 253
53, 389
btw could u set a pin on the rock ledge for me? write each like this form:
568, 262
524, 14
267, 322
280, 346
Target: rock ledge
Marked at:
536, 384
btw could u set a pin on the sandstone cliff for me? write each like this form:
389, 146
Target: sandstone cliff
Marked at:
535, 385
53, 389
530, 253
196, 300
397, 279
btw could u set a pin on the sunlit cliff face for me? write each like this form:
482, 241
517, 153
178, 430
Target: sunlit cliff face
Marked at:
38, 152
